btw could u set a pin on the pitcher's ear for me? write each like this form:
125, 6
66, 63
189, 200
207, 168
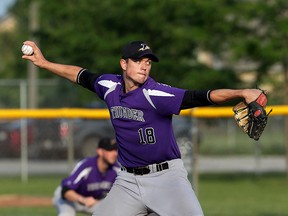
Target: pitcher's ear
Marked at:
123, 64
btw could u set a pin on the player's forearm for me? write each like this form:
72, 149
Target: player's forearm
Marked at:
37, 58
223, 95
73, 196
66, 71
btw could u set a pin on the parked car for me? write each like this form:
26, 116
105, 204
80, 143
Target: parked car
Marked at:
49, 138
38, 131
85, 134
10, 138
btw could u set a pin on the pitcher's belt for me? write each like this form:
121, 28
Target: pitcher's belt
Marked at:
147, 169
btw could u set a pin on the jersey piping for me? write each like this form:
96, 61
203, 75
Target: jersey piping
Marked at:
149, 92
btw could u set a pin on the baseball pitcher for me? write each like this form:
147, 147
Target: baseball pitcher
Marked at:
152, 176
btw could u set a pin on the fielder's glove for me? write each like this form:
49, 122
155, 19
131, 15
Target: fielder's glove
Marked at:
252, 117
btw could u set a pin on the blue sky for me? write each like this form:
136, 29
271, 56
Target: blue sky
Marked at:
4, 4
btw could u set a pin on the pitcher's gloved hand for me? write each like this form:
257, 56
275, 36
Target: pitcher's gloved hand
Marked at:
252, 117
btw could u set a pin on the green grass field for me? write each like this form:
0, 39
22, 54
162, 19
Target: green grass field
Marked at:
225, 138
219, 195
244, 195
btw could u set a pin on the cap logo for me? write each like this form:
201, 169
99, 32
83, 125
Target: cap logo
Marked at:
144, 47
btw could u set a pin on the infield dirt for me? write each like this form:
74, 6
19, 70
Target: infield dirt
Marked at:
24, 200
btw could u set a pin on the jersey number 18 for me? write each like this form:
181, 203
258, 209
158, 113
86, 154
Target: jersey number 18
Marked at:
147, 135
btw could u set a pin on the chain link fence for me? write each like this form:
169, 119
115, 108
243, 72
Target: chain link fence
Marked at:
48, 139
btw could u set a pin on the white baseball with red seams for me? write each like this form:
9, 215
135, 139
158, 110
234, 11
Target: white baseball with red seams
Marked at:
27, 50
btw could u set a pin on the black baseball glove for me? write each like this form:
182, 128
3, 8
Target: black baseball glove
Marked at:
252, 117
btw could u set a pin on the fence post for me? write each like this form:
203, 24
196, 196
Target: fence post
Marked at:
70, 145
23, 131
257, 158
195, 152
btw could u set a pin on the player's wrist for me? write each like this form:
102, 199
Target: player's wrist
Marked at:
81, 200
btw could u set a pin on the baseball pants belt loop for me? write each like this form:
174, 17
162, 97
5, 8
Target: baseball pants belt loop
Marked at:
146, 170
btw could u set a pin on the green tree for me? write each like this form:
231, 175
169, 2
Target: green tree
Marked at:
90, 33
260, 37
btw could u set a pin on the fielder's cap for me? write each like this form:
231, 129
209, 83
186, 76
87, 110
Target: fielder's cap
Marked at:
107, 144
137, 50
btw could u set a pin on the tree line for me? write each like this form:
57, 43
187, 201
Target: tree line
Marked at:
234, 37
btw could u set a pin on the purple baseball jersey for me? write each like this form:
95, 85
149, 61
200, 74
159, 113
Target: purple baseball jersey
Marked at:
142, 119
87, 180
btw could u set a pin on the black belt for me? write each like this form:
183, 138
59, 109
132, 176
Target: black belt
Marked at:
146, 170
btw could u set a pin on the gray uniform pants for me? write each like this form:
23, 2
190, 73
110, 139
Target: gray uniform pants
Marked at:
167, 193
67, 208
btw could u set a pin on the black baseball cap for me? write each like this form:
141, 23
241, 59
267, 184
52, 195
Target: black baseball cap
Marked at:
107, 144
137, 50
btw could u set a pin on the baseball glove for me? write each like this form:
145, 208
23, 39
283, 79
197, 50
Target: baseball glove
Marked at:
252, 117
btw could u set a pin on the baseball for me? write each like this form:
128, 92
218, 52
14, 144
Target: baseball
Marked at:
27, 50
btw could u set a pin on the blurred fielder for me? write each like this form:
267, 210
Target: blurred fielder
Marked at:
89, 182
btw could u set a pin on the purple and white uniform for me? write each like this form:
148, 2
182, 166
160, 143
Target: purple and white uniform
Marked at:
153, 177
142, 119
87, 180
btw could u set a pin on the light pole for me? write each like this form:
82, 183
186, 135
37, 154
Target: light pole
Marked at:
33, 70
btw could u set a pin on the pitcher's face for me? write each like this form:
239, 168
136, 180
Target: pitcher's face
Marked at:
136, 70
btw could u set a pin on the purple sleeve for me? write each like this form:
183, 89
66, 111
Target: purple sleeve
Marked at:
80, 171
